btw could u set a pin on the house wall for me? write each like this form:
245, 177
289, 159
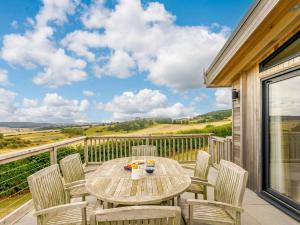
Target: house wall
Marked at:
247, 120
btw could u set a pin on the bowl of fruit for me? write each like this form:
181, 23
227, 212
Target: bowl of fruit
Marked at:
150, 169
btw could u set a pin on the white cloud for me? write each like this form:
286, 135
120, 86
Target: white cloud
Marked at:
56, 11
144, 103
80, 42
223, 98
36, 47
118, 65
88, 93
95, 15
200, 97
53, 108
6, 104
29, 102
3, 77
147, 36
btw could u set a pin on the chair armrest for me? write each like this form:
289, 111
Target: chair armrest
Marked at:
188, 167
205, 183
69, 188
198, 179
75, 183
60, 208
215, 203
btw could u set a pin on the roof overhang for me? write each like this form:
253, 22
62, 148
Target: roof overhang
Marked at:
266, 24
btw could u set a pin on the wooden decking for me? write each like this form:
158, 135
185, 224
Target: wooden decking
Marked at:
257, 211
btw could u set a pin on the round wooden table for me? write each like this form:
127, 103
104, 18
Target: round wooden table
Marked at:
111, 183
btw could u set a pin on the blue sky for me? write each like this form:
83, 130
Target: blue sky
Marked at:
92, 61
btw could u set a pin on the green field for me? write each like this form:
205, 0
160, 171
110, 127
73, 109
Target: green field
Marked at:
25, 140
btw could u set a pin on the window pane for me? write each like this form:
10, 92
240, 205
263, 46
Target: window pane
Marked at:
289, 50
284, 137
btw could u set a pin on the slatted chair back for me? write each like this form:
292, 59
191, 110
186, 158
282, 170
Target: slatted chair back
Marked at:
144, 150
202, 165
135, 215
47, 188
230, 183
71, 168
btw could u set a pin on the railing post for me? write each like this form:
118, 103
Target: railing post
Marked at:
86, 154
211, 147
229, 148
147, 141
53, 155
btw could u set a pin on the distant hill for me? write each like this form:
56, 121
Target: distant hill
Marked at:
25, 125
213, 116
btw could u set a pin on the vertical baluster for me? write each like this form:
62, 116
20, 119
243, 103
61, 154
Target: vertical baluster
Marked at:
165, 147
186, 149
174, 147
92, 150
178, 149
125, 147
121, 147
97, 150
160, 147
108, 149
104, 149
182, 150
117, 148
192, 149
169, 147
100, 150
157, 147
112, 148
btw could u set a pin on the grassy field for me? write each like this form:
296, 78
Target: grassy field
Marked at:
174, 128
37, 138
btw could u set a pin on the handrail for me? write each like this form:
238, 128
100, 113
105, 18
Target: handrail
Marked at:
13, 156
152, 135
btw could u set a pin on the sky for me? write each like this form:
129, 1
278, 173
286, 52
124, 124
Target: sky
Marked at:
72, 61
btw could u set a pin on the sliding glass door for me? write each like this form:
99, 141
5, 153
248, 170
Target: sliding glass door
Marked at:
281, 138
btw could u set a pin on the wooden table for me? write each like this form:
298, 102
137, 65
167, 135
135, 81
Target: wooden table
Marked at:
111, 183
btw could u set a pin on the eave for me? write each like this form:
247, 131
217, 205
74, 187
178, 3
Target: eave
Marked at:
267, 24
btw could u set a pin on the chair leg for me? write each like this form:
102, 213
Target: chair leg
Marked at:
84, 218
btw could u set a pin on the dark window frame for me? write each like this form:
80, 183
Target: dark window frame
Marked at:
283, 202
262, 65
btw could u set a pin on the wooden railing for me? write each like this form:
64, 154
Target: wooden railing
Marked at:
182, 148
16, 166
220, 148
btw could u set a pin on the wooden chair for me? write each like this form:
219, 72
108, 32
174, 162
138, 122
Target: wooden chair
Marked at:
228, 195
74, 177
133, 215
143, 150
50, 201
200, 174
